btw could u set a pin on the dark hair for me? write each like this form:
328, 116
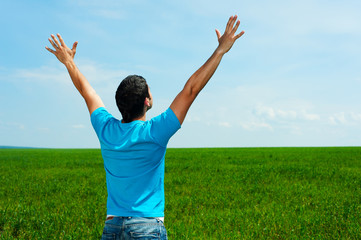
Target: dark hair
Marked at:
130, 97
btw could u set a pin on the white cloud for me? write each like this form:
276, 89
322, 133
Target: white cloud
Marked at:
191, 118
265, 111
345, 118
13, 125
310, 116
42, 74
78, 126
355, 116
338, 118
279, 114
100, 73
96, 74
252, 126
225, 124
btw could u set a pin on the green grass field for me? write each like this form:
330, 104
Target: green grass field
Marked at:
232, 193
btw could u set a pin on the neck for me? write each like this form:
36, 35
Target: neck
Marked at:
142, 118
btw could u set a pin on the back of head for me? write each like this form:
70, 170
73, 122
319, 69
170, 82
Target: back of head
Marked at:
130, 97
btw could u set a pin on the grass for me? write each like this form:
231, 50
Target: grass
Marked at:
51, 194
231, 193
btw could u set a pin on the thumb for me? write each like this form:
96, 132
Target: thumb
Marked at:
218, 34
74, 47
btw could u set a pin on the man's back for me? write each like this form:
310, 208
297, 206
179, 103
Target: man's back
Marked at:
133, 156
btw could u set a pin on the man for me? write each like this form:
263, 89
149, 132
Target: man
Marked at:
133, 149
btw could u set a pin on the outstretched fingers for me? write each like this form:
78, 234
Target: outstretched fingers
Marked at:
233, 20
61, 40
234, 30
60, 50
230, 23
228, 26
56, 45
235, 27
52, 43
50, 50
229, 36
55, 41
239, 35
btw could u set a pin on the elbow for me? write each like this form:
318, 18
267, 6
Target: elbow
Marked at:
191, 90
87, 93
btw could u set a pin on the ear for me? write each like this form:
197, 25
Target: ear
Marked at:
147, 102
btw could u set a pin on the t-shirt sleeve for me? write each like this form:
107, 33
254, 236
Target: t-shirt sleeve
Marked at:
99, 118
164, 126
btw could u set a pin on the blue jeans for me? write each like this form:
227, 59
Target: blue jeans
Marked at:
120, 228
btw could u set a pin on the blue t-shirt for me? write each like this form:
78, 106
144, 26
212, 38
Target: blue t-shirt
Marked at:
133, 155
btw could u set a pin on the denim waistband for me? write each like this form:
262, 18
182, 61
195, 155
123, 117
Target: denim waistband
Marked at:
112, 216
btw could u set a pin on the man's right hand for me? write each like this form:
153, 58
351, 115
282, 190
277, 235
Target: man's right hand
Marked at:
228, 38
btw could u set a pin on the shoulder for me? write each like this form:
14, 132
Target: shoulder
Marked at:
163, 126
166, 116
100, 115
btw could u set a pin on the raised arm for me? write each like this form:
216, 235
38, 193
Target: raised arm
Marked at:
66, 56
200, 78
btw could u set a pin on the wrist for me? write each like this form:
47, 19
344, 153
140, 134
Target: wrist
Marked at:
220, 51
70, 63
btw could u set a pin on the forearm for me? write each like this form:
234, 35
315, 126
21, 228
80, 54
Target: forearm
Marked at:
201, 77
78, 79
194, 85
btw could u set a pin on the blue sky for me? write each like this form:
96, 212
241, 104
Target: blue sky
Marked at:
293, 79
